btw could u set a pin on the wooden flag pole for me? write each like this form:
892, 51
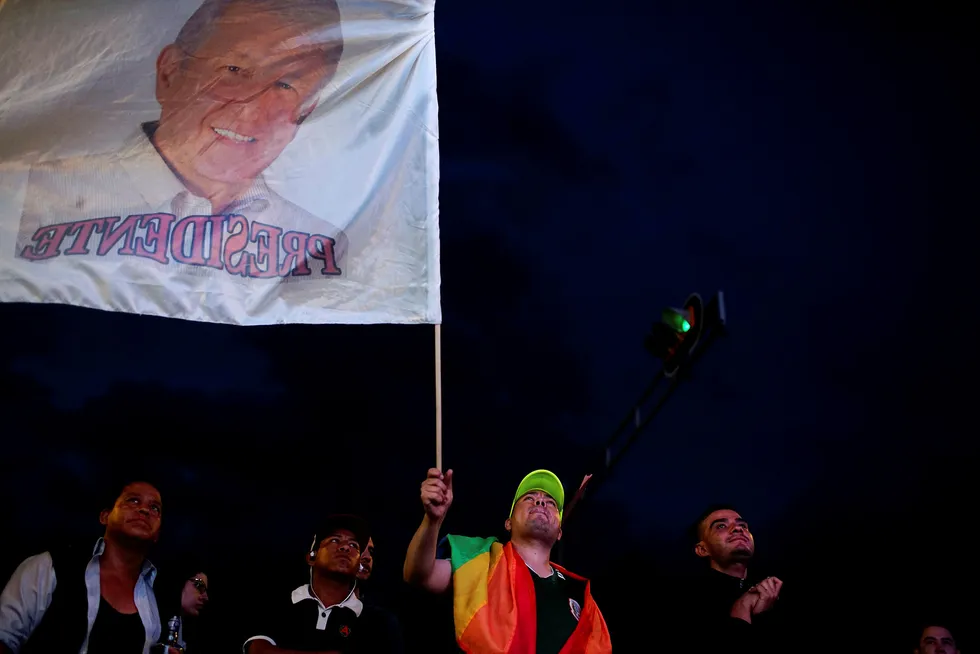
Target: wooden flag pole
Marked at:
439, 396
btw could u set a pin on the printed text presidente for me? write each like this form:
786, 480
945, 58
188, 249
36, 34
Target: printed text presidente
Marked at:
228, 243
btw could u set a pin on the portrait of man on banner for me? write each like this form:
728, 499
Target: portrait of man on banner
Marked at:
187, 190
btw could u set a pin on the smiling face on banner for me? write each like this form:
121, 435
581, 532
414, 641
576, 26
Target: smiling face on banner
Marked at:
234, 90
225, 171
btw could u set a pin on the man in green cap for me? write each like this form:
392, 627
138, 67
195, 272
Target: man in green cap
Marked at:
507, 597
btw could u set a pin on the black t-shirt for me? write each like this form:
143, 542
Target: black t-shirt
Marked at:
301, 622
558, 601
115, 632
558, 605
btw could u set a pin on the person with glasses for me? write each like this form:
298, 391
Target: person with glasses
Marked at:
183, 592
195, 594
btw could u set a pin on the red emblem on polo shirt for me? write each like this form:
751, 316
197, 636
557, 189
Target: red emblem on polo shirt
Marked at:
345, 631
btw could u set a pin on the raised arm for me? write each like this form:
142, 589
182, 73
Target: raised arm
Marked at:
422, 568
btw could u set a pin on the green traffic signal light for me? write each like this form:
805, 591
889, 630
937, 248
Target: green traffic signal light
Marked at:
676, 320
676, 335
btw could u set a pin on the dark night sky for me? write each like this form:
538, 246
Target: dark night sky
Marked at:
599, 162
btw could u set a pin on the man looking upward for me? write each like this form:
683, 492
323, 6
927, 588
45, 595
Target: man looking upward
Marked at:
508, 597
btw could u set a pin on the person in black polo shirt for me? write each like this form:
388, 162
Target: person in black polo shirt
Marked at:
325, 615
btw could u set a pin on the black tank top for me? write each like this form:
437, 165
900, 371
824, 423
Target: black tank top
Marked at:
115, 632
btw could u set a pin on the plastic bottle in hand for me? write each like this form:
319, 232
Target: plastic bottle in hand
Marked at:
171, 643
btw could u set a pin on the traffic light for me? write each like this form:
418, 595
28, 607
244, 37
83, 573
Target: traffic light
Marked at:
674, 338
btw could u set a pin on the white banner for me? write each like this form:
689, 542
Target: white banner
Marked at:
237, 161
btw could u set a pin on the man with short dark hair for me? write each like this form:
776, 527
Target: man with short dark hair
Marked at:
725, 603
325, 614
508, 597
83, 600
936, 639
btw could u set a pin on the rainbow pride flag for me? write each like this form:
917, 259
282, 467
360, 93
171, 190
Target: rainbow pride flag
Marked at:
493, 602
